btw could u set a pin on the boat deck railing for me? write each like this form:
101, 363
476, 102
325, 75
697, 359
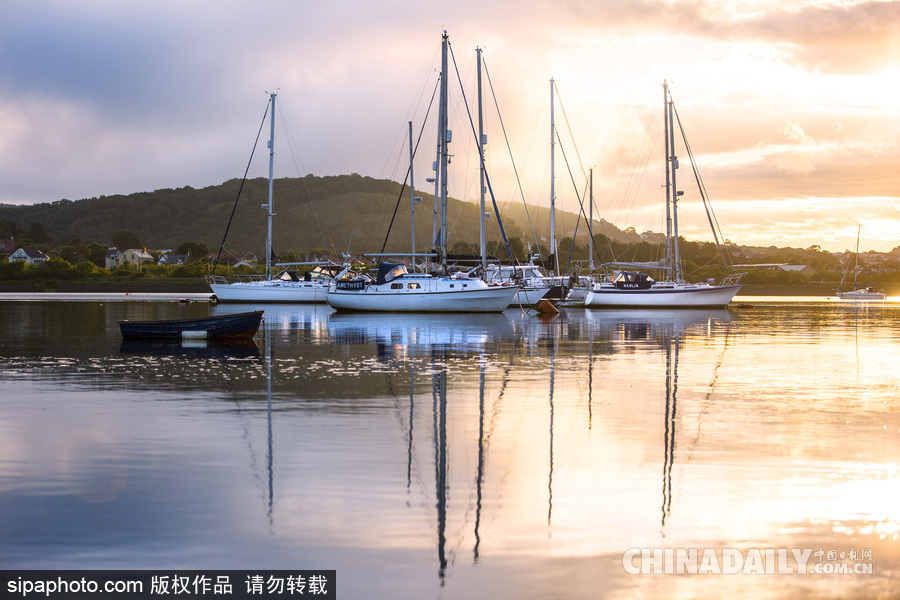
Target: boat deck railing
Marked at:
241, 278
733, 279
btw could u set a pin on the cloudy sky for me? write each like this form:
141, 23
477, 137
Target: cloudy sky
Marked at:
792, 107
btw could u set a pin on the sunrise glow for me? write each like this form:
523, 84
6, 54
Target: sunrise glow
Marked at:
791, 108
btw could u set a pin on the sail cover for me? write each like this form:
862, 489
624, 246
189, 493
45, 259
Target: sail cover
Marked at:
388, 272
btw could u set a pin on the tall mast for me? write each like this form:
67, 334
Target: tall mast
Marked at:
481, 142
675, 193
668, 176
412, 194
856, 264
435, 179
591, 221
555, 263
270, 205
443, 139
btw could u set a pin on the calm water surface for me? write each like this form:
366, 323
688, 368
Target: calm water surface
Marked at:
480, 456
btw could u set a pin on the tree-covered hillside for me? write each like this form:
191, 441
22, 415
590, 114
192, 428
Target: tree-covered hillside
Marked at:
340, 214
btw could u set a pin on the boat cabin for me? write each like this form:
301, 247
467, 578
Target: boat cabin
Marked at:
388, 272
627, 280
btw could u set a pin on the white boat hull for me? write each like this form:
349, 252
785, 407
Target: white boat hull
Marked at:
432, 295
863, 295
271, 291
529, 296
667, 296
577, 294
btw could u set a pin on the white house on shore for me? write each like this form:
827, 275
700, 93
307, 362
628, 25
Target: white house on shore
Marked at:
132, 256
31, 256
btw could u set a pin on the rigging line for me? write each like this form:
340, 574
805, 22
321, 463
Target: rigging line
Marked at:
406, 178
487, 179
580, 201
410, 110
465, 190
292, 146
240, 189
381, 202
629, 174
575, 236
509, 148
700, 267
393, 216
710, 215
571, 176
569, 128
376, 219
632, 186
542, 179
416, 102
641, 154
572, 246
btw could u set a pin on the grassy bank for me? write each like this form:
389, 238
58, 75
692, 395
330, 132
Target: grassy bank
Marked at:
197, 285
807, 289
112, 285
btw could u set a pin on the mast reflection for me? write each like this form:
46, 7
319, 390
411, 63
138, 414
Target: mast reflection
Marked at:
479, 478
672, 346
439, 400
271, 441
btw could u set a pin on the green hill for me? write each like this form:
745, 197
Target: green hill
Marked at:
340, 213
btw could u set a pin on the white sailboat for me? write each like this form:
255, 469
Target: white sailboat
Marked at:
639, 290
285, 286
535, 283
532, 288
529, 278
858, 293
396, 289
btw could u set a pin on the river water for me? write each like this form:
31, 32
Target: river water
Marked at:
463, 456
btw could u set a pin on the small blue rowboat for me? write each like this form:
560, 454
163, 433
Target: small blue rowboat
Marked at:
238, 325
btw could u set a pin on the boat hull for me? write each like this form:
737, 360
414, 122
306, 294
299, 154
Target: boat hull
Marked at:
441, 295
676, 296
233, 326
529, 296
271, 291
861, 295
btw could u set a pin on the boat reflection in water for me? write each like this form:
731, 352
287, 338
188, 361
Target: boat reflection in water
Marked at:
649, 324
466, 439
457, 456
433, 344
667, 329
396, 335
289, 323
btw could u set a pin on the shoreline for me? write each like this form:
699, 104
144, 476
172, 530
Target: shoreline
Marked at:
161, 285
194, 285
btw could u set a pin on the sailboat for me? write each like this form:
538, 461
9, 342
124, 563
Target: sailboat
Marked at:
535, 283
530, 292
396, 289
286, 286
858, 293
639, 290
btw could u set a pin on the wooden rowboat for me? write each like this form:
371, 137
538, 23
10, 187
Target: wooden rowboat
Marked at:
238, 325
